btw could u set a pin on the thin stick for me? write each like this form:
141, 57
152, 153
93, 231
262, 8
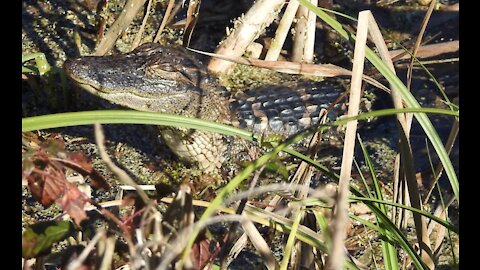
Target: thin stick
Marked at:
75, 264
439, 169
122, 175
138, 36
170, 6
418, 42
309, 45
192, 17
282, 31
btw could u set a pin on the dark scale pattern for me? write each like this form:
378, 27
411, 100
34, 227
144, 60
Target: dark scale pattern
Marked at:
283, 109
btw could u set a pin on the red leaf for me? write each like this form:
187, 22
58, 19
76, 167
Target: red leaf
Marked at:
73, 202
47, 185
201, 254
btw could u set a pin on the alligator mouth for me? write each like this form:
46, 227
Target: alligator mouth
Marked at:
134, 101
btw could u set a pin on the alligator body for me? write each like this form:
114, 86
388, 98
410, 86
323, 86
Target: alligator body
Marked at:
172, 80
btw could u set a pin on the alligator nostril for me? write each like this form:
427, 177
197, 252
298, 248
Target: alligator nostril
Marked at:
73, 64
76, 67
67, 64
69, 67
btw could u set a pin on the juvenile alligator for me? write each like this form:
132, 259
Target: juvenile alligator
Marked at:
172, 80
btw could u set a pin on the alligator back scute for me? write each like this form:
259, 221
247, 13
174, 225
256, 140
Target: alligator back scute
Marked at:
285, 109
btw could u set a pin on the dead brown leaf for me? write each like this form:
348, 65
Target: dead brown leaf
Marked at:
78, 162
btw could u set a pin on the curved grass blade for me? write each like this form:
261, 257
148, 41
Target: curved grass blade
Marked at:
390, 255
440, 221
128, 117
151, 118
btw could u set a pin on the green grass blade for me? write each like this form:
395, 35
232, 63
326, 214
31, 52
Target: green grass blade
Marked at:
377, 190
360, 174
390, 256
440, 221
31, 56
287, 252
322, 222
41, 62
128, 117
394, 232
151, 118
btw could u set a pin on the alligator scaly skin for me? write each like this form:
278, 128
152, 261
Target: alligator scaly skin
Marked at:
171, 79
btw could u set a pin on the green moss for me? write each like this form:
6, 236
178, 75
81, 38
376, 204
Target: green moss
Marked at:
244, 77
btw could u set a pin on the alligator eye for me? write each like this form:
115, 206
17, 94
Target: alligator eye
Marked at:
164, 67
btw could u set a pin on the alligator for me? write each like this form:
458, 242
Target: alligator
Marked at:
171, 79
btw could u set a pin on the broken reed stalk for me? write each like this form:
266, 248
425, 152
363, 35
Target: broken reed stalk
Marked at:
304, 35
309, 45
249, 27
299, 34
340, 220
427, 51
